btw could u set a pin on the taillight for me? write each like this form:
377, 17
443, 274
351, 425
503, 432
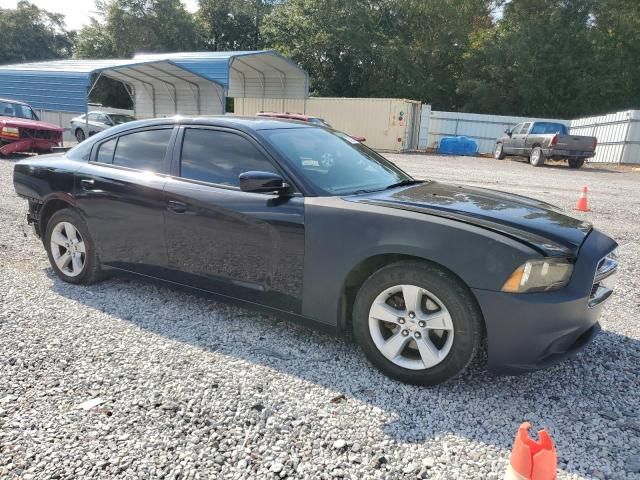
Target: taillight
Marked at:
554, 140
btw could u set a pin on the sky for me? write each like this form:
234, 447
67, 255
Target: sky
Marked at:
77, 12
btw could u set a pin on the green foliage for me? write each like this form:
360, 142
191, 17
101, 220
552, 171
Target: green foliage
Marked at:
538, 60
225, 25
28, 33
126, 27
555, 58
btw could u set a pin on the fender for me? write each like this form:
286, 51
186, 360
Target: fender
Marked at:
481, 258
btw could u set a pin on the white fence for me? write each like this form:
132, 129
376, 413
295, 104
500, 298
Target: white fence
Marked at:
618, 133
484, 129
618, 136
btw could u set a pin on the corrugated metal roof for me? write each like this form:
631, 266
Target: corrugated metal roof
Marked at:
62, 85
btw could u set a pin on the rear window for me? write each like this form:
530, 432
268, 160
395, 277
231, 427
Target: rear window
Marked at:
541, 128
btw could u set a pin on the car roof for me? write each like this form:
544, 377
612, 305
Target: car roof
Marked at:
11, 100
229, 121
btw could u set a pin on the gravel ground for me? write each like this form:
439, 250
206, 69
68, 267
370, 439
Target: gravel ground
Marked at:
191, 388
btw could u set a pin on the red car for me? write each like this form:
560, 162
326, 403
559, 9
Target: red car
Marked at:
22, 131
304, 118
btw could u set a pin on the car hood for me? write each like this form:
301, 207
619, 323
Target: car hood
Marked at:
25, 123
538, 223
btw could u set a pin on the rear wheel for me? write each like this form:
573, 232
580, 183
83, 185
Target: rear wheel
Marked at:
537, 157
80, 136
71, 250
498, 153
417, 323
576, 162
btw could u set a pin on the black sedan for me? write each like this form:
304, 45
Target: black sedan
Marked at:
308, 223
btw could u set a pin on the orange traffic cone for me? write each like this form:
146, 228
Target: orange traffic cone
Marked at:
531, 460
581, 206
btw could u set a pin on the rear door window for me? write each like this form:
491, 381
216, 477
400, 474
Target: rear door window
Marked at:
525, 128
144, 150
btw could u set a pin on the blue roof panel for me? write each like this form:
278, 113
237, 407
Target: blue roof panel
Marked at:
62, 85
55, 91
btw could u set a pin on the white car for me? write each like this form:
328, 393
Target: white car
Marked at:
97, 122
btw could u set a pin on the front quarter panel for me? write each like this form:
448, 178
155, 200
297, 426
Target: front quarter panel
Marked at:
339, 235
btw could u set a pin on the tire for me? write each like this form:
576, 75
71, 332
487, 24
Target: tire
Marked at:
536, 158
576, 162
498, 153
66, 226
440, 294
80, 136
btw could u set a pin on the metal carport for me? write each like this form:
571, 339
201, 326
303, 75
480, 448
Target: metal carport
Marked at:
160, 85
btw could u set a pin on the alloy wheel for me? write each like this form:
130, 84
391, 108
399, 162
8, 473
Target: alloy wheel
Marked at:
68, 249
411, 327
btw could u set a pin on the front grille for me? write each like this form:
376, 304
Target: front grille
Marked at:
39, 134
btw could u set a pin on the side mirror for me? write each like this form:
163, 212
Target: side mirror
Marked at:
262, 182
508, 132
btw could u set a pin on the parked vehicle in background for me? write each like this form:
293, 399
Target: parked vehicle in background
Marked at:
249, 209
305, 118
97, 122
545, 140
22, 131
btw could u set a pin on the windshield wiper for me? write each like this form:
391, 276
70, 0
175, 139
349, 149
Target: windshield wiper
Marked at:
402, 184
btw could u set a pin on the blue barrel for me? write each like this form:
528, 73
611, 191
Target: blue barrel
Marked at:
458, 146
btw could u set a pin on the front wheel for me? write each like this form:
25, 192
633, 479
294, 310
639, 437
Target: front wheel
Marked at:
498, 153
417, 323
576, 162
71, 250
537, 157
80, 136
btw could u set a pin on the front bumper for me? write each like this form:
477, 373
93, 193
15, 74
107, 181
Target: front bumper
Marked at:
531, 331
28, 145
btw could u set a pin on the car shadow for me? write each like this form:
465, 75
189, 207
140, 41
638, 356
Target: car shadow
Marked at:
569, 399
560, 165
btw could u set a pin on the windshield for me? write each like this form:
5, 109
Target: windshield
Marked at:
549, 127
18, 110
120, 119
333, 162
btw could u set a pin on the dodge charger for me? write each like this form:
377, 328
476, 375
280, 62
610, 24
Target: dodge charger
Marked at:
305, 222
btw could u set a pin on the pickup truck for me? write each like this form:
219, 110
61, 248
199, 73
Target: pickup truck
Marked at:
22, 131
545, 140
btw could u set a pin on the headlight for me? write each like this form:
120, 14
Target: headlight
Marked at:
10, 132
539, 276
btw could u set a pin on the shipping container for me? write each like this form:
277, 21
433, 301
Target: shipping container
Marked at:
388, 124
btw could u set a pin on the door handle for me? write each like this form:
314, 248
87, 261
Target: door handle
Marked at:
176, 206
87, 183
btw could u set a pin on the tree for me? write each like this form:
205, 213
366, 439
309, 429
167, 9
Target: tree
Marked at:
28, 33
125, 27
616, 52
226, 25
341, 44
410, 48
537, 60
